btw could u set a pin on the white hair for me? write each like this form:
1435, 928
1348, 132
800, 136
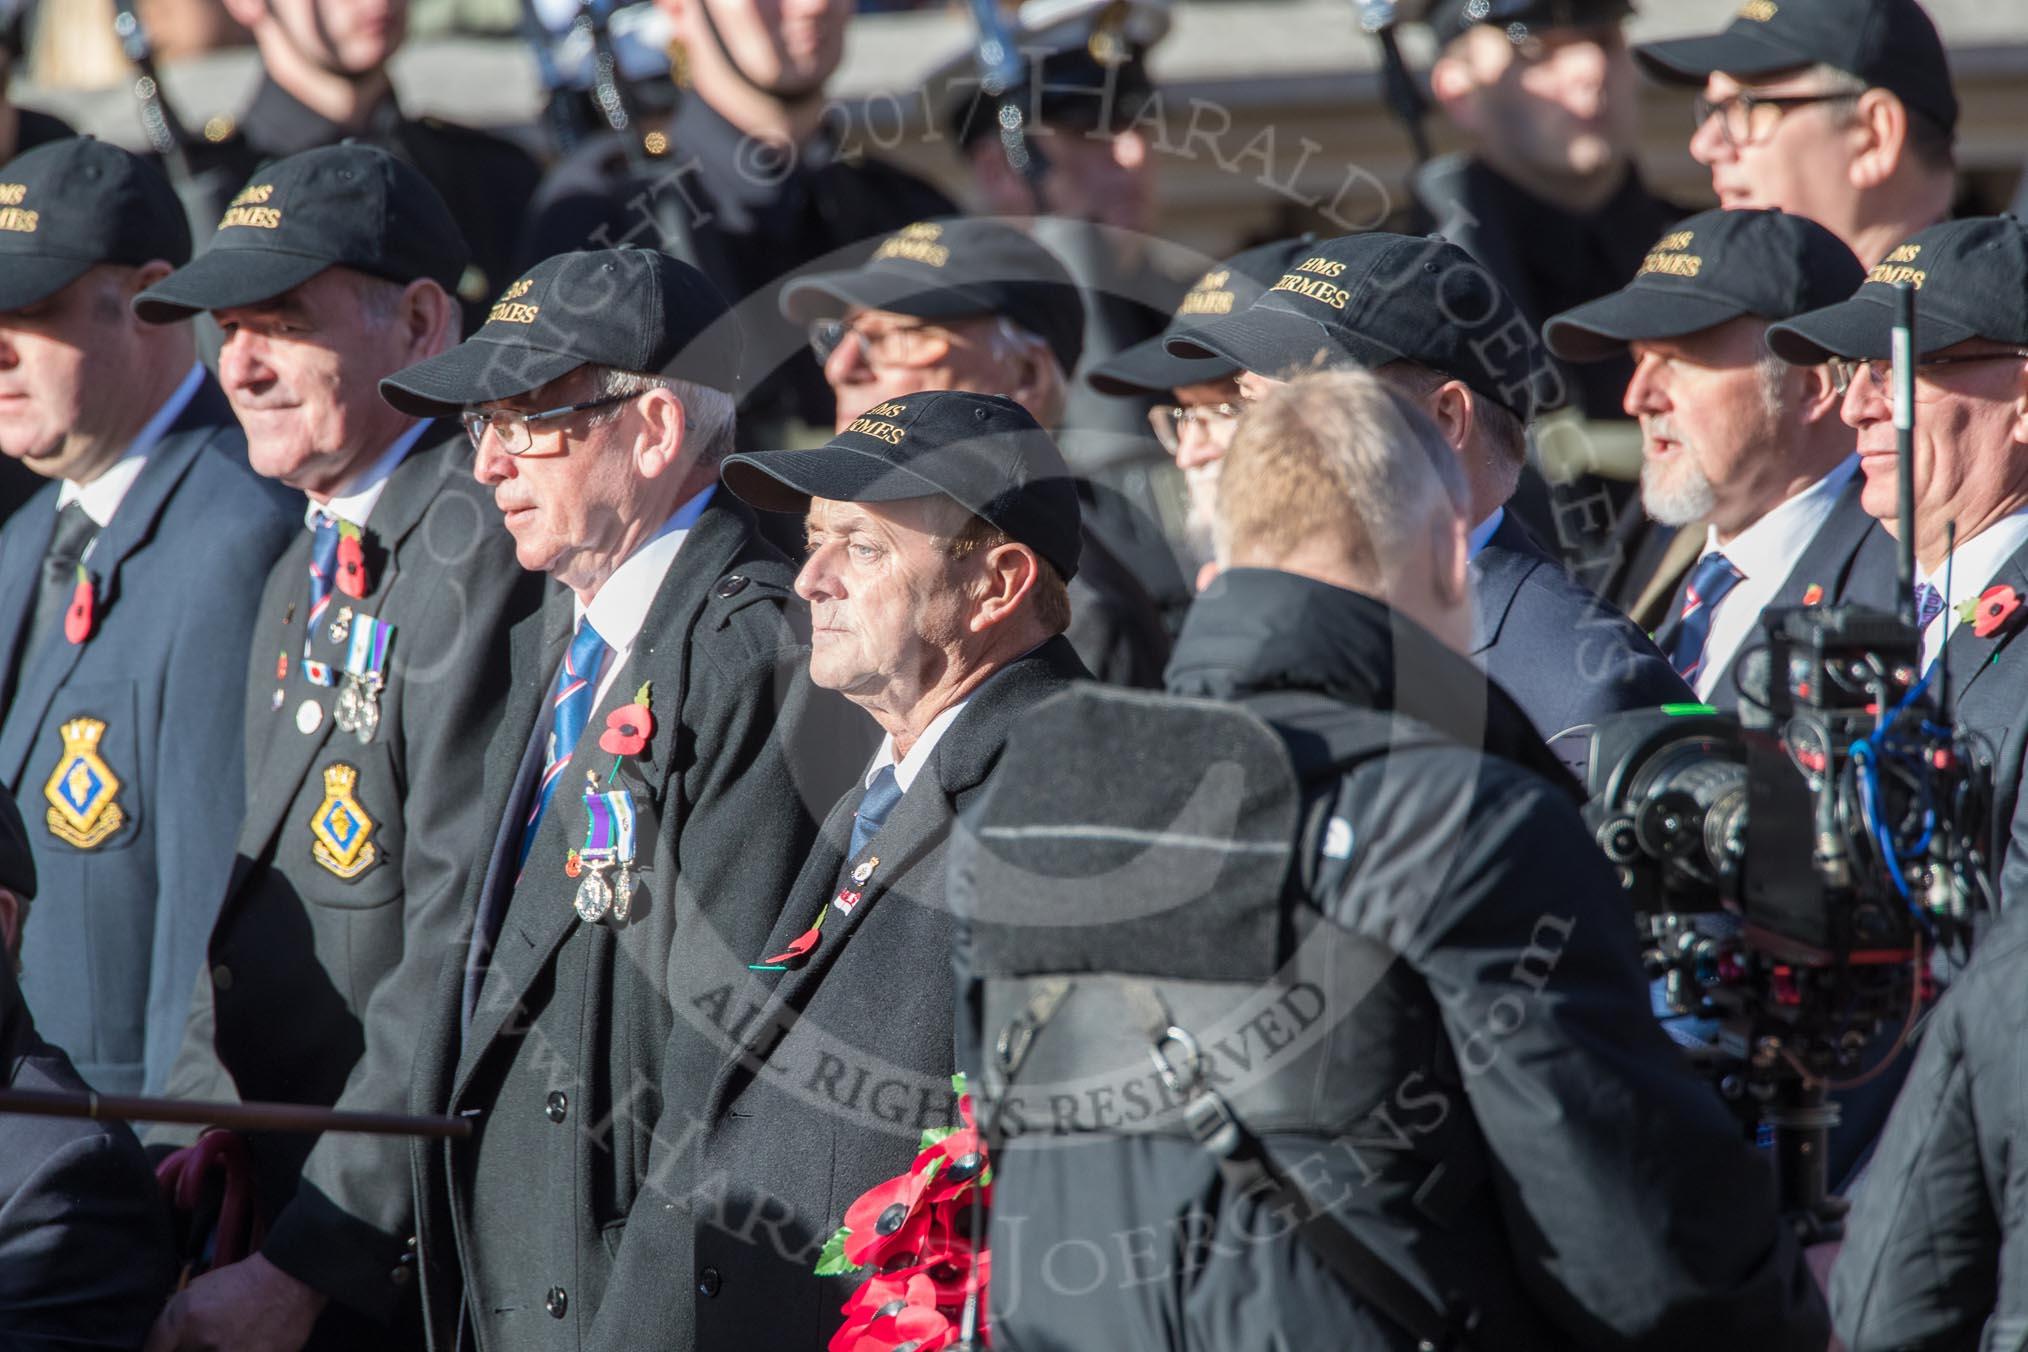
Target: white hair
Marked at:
711, 413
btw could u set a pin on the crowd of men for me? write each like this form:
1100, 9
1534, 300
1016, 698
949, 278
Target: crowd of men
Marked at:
441, 684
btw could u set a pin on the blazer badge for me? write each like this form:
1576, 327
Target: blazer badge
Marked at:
341, 826
83, 788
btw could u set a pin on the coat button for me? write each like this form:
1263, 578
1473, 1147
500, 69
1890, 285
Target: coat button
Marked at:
733, 585
557, 1106
221, 977
556, 1302
401, 1276
708, 1282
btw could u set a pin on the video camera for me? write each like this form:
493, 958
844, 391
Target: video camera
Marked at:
1794, 869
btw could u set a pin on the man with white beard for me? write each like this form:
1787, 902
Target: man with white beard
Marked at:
1735, 443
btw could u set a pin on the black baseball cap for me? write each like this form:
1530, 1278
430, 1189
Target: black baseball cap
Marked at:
1449, 19
17, 862
346, 205
1149, 367
1969, 276
631, 309
69, 205
1370, 299
1890, 44
984, 452
955, 267
1714, 267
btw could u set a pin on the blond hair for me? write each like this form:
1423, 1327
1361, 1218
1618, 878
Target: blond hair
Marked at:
1335, 455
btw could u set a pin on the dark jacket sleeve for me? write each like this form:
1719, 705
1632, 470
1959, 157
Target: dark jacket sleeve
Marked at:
1933, 1249
1638, 1216
85, 1260
346, 1230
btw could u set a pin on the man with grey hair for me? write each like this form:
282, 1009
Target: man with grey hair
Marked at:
645, 806
1741, 451
374, 675
1838, 110
1469, 1113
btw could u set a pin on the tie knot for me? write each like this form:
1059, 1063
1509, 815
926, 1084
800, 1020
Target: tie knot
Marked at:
1928, 605
586, 648
74, 531
1715, 572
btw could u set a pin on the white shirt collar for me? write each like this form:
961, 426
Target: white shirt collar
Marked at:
620, 607
1765, 553
1483, 532
102, 496
354, 502
1970, 570
918, 755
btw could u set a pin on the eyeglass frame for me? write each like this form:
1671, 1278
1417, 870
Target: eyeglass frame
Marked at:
1173, 416
826, 336
1704, 110
1845, 370
477, 421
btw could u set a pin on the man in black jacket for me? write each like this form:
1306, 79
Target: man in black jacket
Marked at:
1467, 1079
942, 528
1432, 323
644, 809
85, 1254
374, 675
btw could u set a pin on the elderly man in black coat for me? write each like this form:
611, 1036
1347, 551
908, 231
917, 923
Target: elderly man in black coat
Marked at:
942, 528
85, 1255
644, 801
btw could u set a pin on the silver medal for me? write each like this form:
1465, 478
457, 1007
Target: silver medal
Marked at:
623, 895
369, 711
594, 897
346, 712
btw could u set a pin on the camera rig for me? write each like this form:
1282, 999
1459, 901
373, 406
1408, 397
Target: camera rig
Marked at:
1796, 870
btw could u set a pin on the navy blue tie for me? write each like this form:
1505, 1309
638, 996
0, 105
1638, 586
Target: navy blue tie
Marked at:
570, 710
1710, 580
874, 805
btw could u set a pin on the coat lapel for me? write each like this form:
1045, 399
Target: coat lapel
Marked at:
1966, 656
133, 525
290, 753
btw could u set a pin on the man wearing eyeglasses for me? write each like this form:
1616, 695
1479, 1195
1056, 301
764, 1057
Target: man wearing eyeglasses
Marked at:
1971, 471
375, 675
1405, 307
1197, 426
977, 305
643, 812
1839, 110
1740, 448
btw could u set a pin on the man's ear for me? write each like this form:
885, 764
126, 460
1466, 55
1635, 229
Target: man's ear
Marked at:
1820, 399
1008, 573
1880, 132
429, 318
665, 433
2021, 405
1454, 408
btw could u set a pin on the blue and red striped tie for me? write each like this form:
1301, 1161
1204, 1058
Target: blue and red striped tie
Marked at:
323, 568
570, 706
1710, 580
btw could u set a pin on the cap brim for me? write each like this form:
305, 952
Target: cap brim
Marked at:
473, 372
1275, 343
1602, 328
1150, 368
832, 295
1690, 61
785, 481
1859, 329
219, 279
28, 278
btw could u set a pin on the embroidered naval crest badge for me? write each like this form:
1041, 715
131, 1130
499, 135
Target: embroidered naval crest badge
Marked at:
82, 789
341, 825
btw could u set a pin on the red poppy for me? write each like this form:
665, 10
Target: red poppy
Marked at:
885, 1222
963, 1158
77, 620
351, 566
1996, 607
627, 730
911, 1320
798, 946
